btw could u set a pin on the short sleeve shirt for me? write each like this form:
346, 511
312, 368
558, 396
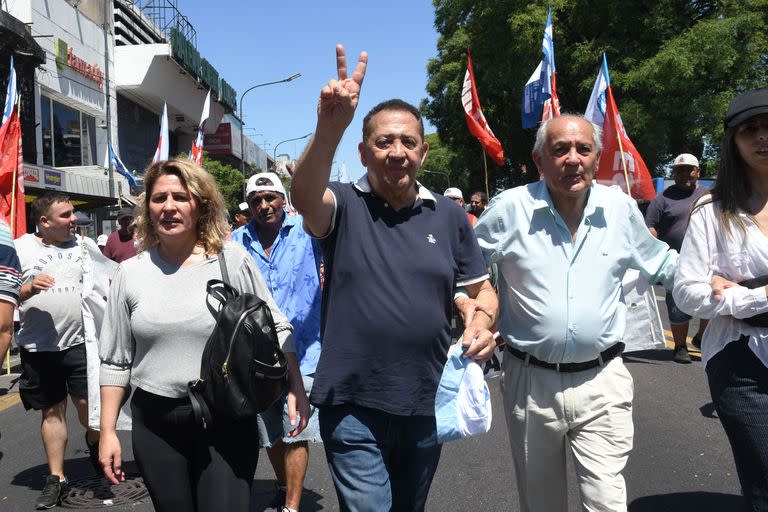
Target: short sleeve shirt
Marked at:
52, 320
120, 248
389, 281
10, 269
669, 211
291, 271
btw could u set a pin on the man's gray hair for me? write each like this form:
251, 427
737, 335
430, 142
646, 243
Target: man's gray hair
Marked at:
541, 133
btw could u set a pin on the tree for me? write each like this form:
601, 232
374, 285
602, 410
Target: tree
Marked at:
229, 179
440, 169
674, 65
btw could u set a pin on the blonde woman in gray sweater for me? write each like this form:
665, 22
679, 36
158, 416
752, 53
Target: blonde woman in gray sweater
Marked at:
157, 322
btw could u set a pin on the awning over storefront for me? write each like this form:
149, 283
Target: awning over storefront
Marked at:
15, 39
86, 185
148, 75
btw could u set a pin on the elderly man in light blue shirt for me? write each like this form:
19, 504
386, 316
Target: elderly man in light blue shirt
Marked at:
562, 246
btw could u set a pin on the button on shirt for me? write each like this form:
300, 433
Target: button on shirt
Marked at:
292, 274
561, 300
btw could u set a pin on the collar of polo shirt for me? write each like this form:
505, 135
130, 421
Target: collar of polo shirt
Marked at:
363, 185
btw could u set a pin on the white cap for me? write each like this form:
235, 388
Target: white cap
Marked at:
273, 184
101, 240
686, 159
243, 206
453, 193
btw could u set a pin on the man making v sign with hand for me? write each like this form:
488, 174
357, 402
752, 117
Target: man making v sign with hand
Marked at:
394, 252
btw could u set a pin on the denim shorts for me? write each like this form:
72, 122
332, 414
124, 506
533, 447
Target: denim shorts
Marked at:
275, 422
676, 316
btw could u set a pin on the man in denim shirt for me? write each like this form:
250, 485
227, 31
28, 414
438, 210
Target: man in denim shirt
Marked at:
289, 260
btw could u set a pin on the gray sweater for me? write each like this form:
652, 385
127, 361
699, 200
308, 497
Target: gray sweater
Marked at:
159, 317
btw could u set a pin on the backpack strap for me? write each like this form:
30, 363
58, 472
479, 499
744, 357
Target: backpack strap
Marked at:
223, 267
221, 290
200, 409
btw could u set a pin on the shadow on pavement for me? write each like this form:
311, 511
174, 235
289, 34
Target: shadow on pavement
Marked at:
648, 356
75, 469
264, 490
683, 501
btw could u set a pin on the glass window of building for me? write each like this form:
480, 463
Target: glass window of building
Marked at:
45, 123
88, 139
69, 136
67, 150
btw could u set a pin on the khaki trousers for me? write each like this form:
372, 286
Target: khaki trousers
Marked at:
589, 411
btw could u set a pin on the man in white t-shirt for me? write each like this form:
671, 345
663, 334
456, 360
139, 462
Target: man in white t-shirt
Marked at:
51, 336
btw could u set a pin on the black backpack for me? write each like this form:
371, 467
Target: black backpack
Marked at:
243, 370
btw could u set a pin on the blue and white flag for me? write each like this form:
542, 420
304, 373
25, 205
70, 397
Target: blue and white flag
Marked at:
115, 161
11, 96
596, 107
538, 88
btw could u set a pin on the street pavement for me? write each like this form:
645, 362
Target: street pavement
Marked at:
681, 459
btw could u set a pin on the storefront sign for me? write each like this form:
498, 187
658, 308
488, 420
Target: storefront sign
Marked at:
185, 53
65, 57
31, 174
53, 179
219, 143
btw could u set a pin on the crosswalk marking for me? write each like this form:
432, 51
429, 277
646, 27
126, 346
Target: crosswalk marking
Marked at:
671, 343
9, 400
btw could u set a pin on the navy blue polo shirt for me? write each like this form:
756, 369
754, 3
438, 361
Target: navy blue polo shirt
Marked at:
389, 281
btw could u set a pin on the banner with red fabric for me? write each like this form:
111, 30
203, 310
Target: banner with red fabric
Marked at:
476, 122
10, 161
619, 153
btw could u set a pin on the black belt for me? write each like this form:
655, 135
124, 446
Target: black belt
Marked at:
605, 356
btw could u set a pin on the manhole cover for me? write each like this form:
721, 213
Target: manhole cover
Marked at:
95, 492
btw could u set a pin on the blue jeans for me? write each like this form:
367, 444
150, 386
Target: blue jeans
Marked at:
738, 382
379, 461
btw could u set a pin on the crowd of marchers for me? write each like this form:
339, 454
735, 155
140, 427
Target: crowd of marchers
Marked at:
361, 285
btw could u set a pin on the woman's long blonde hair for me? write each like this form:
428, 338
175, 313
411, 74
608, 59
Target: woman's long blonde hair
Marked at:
212, 224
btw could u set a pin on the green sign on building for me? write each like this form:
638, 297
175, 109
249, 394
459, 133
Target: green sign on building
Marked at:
187, 55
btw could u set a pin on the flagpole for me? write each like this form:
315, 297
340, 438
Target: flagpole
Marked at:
623, 160
485, 166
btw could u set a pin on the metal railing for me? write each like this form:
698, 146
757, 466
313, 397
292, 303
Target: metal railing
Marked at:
166, 15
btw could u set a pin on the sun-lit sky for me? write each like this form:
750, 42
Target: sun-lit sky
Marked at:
261, 41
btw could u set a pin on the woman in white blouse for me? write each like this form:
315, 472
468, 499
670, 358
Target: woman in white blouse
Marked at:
726, 247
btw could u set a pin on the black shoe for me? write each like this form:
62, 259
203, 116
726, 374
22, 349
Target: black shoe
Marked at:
52, 493
680, 355
696, 342
93, 456
278, 500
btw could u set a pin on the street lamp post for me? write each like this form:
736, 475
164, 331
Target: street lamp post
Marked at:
274, 151
242, 122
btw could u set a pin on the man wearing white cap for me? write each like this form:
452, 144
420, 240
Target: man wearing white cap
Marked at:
241, 215
458, 198
667, 218
289, 259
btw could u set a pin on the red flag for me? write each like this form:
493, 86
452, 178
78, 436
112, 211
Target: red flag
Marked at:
552, 105
11, 166
619, 153
476, 122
